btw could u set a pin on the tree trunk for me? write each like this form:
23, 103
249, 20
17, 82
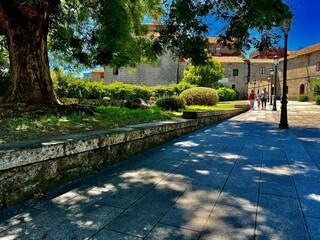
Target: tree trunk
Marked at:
30, 82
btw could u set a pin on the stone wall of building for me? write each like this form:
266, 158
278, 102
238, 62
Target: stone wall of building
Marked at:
164, 72
301, 71
236, 82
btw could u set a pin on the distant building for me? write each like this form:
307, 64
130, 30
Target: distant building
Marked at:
97, 75
87, 75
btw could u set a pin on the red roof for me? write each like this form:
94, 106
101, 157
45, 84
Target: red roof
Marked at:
98, 71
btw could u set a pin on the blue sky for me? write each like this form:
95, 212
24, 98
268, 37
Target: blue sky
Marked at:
306, 29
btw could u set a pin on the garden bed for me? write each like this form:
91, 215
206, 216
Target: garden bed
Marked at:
28, 127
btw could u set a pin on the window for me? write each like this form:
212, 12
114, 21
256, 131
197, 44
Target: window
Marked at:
115, 71
262, 70
233, 86
102, 76
318, 66
272, 90
218, 51
235, 72
287, 89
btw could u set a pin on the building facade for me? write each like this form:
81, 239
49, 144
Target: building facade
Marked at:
303, 67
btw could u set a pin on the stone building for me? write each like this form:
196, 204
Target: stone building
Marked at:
97, 75
303, 68
236, 73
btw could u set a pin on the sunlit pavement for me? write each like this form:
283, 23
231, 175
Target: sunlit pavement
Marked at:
242, 178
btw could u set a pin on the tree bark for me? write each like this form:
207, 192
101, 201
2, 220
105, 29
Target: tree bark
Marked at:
26, 29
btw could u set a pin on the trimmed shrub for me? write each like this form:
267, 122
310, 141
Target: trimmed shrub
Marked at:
170, 103
304, 98
200, 96
317, 99
226, 94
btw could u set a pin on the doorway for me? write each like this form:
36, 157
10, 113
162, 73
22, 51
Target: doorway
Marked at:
302, 89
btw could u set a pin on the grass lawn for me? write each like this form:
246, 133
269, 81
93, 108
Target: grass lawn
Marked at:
31, 128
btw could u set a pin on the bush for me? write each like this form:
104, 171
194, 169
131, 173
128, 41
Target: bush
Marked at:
200, 96
170, 103
68, 86
317, 99
303, 98
226, 94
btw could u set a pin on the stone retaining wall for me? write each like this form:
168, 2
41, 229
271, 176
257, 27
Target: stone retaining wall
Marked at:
30, 168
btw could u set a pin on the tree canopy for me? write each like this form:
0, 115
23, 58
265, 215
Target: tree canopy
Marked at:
112, 33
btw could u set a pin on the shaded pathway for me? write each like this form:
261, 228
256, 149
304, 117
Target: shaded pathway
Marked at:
242, 178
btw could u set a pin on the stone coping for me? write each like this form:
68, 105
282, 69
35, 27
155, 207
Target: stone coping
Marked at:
28, 152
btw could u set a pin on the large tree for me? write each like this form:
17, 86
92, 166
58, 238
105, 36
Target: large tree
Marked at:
110, 33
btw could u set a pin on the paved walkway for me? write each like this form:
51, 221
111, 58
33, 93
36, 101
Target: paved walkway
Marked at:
242, 178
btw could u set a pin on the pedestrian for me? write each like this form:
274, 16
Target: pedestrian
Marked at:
259, 100
265, 95
251, 98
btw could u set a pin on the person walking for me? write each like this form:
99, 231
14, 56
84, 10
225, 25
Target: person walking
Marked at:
259, 100
264, 95
251, 99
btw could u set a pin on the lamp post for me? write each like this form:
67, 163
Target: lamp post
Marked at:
254, 86
271, 75
276, 63
269, 79
286, 26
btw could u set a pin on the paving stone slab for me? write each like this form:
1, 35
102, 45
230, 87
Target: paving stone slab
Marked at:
193, 208
314, 227
84, 224
165, 232
309, 193
45, 221
240, 192
305, 170
110, 235
230, 222
280, 218
246, 170
281, 185
16, 215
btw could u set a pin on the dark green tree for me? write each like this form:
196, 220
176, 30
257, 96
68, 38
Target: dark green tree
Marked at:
110, 33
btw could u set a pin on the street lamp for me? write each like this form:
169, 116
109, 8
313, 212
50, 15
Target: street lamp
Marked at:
271, 73
276, 63
269, 79
286, 26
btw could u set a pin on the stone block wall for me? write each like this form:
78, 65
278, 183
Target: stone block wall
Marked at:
163, 72
29, 169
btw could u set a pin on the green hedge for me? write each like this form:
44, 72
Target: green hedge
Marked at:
304, 98
226, 94
81, 88
317, 99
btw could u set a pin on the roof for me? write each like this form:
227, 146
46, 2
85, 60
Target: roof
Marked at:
259, 61
212, 40
305, 51
98, 71
228, 59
